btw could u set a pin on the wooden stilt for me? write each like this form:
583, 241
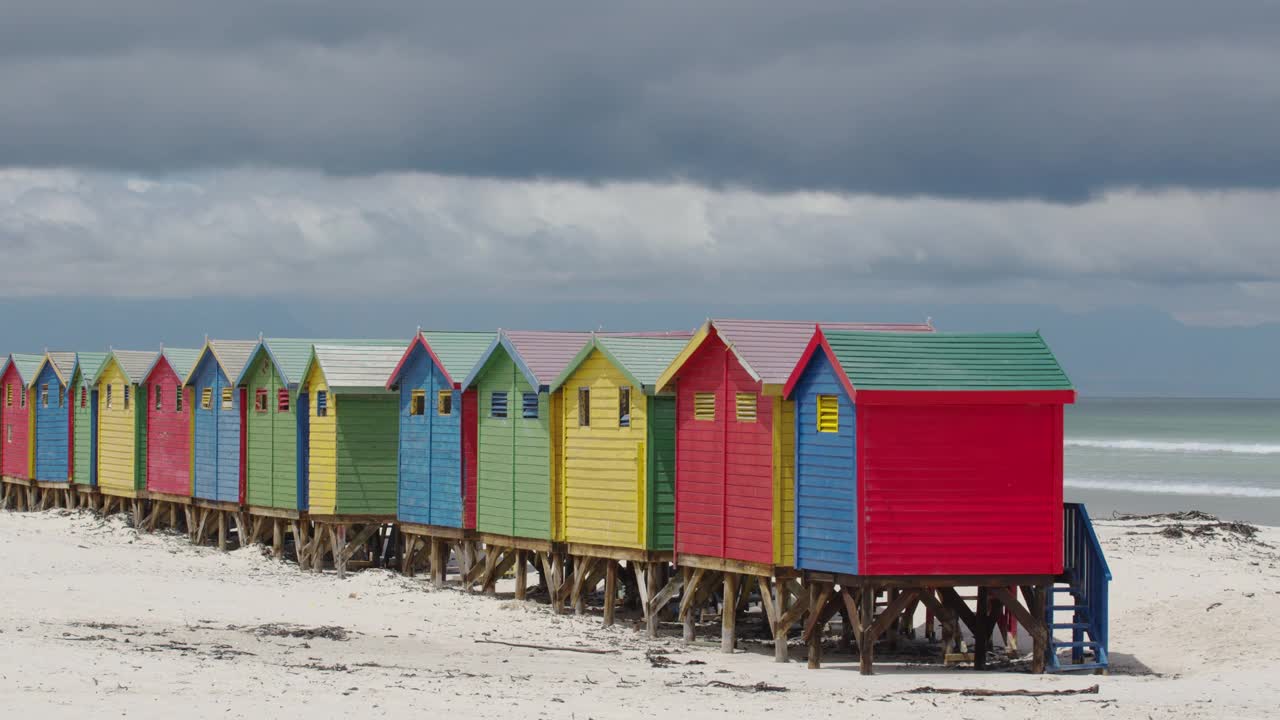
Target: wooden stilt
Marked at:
867, 643
729, 614
982, 633
277, 538
439, 561
522, 575
610, 591
651, 590
813, 629
689, 630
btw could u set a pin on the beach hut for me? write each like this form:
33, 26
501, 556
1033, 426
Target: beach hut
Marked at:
735, 512
518, 451
352, 439
926, 461
84, 420
617, 497
436, 498
52, 435
219, 408
122, 437
17, 417
167, 427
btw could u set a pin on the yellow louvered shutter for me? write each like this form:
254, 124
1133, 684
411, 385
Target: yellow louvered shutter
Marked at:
704, 406
828, 414
206, 399
746, 407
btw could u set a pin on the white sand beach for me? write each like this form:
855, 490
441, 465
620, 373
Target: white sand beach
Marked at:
97, 620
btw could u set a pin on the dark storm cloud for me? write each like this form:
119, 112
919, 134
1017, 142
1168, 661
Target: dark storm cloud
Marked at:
987, 99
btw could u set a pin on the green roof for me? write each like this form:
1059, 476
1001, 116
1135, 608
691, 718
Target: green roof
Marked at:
458, 352
182, 360
947, 361
642, 359
90, 363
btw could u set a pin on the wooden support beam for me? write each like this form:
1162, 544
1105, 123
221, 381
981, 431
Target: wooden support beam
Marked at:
650, 590
813, 633
610, 591
277, 538
867, 644
222, 530
439, 561
985, 613
689, 629
729, 614
786, 617
522, 574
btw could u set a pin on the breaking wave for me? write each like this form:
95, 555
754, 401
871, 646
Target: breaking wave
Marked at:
1162, 488
1176, 447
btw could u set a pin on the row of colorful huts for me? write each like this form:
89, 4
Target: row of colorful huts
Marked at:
770, 448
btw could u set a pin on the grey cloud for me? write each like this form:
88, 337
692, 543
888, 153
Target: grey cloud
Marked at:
1210, 257
976, 100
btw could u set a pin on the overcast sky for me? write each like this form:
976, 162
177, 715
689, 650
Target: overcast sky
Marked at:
1087, 156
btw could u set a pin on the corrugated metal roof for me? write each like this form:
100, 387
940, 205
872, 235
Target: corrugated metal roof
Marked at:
64, 364
291, 354
135, 363
770, 349
28, 366
644, 358
545, 353
90, 363
232, 355
947, 361
360, 368
458, 352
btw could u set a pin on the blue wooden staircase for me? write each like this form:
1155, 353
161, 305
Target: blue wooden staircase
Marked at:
1078, 601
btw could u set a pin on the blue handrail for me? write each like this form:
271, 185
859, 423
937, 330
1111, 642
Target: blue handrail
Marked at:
1086, 568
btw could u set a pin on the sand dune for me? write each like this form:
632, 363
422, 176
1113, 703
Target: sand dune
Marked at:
98, 621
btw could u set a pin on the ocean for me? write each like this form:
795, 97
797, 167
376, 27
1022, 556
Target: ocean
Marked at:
1164, 454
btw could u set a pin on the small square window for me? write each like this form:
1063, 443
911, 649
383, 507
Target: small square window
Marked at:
22, 397
624, 407
177, 398
8, 395
828, 414
584, 407
44, 395
745, 407
8, 433
206, 399
418, 402
498, 405
127, 390
322, 403
84, 398
62, 396
444, 402
109, 402
260, 401
159, 397
282, 400
529, 405
704, 406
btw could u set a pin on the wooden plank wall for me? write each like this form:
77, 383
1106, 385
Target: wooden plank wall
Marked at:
826, 480
168, 453
117, 438
322, 449
430, 459
82, 422
366, 436
271, 470
52, 432
604, 490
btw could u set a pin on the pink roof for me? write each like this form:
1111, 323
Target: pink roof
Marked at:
771, 348
545, 353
